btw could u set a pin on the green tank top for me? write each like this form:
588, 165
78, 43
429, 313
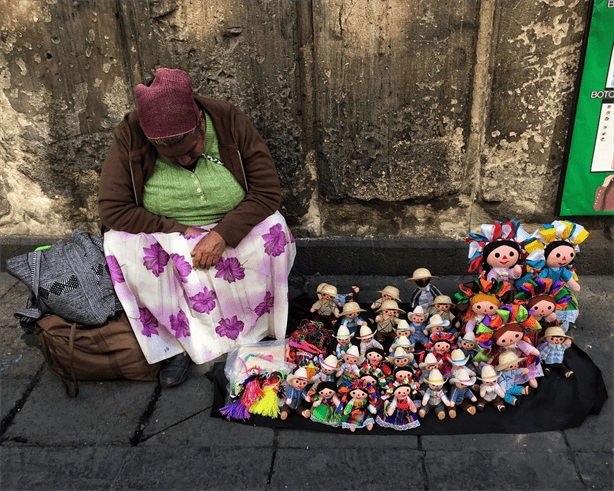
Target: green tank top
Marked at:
194, 198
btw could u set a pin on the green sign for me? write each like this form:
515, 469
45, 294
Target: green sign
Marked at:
587, 187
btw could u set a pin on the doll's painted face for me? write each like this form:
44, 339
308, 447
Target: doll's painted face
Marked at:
435, 386
555, 339
390, 313
468, 345
299, 383
374, 358
431, 367
402, 375
343, 342
417, 318
328, 371
422, 282
350, 360
543, 308
435, 329
401, 392
442, 307
508, 338
403, 334
512, 367
488, 384
401, 362
484, 307
326, 393
503, 256
326, 296
352, 315
358, 394
441, 347
560, 256
369, 379
386, 297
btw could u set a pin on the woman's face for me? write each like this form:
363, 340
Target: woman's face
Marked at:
185, 152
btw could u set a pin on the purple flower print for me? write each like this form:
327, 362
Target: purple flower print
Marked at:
265, 306
155, 259
180, 324
182, 266
149, 322
230, 328
115, 270
230, 269
203, 302
274, 241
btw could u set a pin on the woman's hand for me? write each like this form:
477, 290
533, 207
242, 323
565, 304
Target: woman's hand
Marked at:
208, 251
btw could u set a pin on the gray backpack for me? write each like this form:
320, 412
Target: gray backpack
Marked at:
71, 280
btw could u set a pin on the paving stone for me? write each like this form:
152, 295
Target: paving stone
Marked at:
6, 283
17, 358
28, 468
328, 467
485, 469
103, 413
203, 430
190, 468
320, 439
11, 391
178, 403
596, 469
551, 441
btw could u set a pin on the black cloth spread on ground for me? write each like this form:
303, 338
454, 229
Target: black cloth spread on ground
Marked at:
557, 403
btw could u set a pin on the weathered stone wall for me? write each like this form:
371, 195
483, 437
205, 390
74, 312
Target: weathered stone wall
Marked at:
386, 118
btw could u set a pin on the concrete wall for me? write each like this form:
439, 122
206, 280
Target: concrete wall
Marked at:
386, 118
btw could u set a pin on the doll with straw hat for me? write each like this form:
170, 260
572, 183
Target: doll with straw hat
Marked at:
434, 396
461, 394
367, 340
388, 293
325, 308
296, 393
351, 318
510, 372
344, 338
490, 390
387, 319
425, 292
552, 351
350, 368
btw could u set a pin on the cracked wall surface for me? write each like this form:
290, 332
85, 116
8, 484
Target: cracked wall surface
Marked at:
395, 118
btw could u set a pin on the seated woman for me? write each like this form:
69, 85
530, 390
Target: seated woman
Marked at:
197, 249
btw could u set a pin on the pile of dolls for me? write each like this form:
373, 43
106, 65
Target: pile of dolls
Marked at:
503, 331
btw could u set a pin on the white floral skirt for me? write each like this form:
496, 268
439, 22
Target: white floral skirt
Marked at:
173, 308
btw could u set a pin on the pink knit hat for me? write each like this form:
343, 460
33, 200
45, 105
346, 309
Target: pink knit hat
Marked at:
166, 108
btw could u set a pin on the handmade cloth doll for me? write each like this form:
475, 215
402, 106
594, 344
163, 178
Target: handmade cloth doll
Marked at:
461, 394
497, 251
344, 339
400, 358
479, 299
387, 320
268, 404
490, 390
420, 335
296, 394
440, 345
403, 333
552, 351
510, 373
351, 320
358, 399
507, 332
325, 404
458, 361
425, 292
468, 345
442, 305
549, 301
388, 293
399, 410
325, 308
380, 386
552, 252
427, 365
436, 325
328, 370
367, 340
350, 368
434, 396
374, 361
